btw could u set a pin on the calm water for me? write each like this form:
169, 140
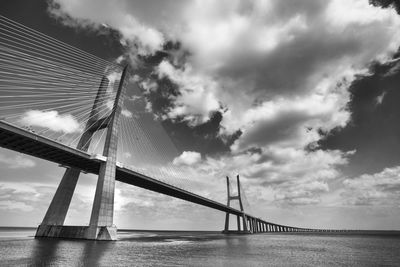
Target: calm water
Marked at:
140, 248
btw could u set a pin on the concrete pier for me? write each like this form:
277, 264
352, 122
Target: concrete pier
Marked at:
77, 232
247, 228
101, 221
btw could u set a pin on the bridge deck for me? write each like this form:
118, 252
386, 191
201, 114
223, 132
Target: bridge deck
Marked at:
20, 140
23, 141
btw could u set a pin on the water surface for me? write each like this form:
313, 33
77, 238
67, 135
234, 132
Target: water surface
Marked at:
178, 248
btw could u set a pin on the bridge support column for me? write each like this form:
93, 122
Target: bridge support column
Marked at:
58, 208
245, 224
244, 217
101, 222
250, 225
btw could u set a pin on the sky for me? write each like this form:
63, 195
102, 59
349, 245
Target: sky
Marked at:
298, 97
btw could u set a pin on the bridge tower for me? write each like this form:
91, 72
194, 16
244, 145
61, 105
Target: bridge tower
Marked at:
101, 221
238, 197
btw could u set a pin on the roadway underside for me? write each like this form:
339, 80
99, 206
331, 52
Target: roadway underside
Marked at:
20, 140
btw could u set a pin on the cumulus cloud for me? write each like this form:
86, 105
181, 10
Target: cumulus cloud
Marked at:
277, 72
290, 176
187, 158
126, 113
51, 119
289, 122
248, 52
197, 97
17, 162
381, 188
141, 38
268, 53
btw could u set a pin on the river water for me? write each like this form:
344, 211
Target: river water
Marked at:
176, 248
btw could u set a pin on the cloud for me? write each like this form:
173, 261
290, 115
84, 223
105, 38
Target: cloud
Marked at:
51, 119
196, 100
379, 98
17, 162
279, 73
303, 194
382, 188
141, 38
30, 200
289, 122
277, 176
14, 205
17, 197
269, 41
126, 113
187, 158
386, 3
260, 50
296, 177
268, 53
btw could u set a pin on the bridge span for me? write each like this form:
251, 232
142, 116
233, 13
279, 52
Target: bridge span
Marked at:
23, 141
44, 76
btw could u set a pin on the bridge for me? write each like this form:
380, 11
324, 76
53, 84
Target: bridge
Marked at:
44, 77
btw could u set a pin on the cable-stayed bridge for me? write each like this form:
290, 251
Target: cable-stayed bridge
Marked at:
87, 114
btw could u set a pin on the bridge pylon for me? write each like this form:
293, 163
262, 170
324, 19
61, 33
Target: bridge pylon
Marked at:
241, 227
101, 225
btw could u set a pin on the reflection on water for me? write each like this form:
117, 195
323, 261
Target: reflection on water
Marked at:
93, 252
54, 252
44, 252
163, 248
